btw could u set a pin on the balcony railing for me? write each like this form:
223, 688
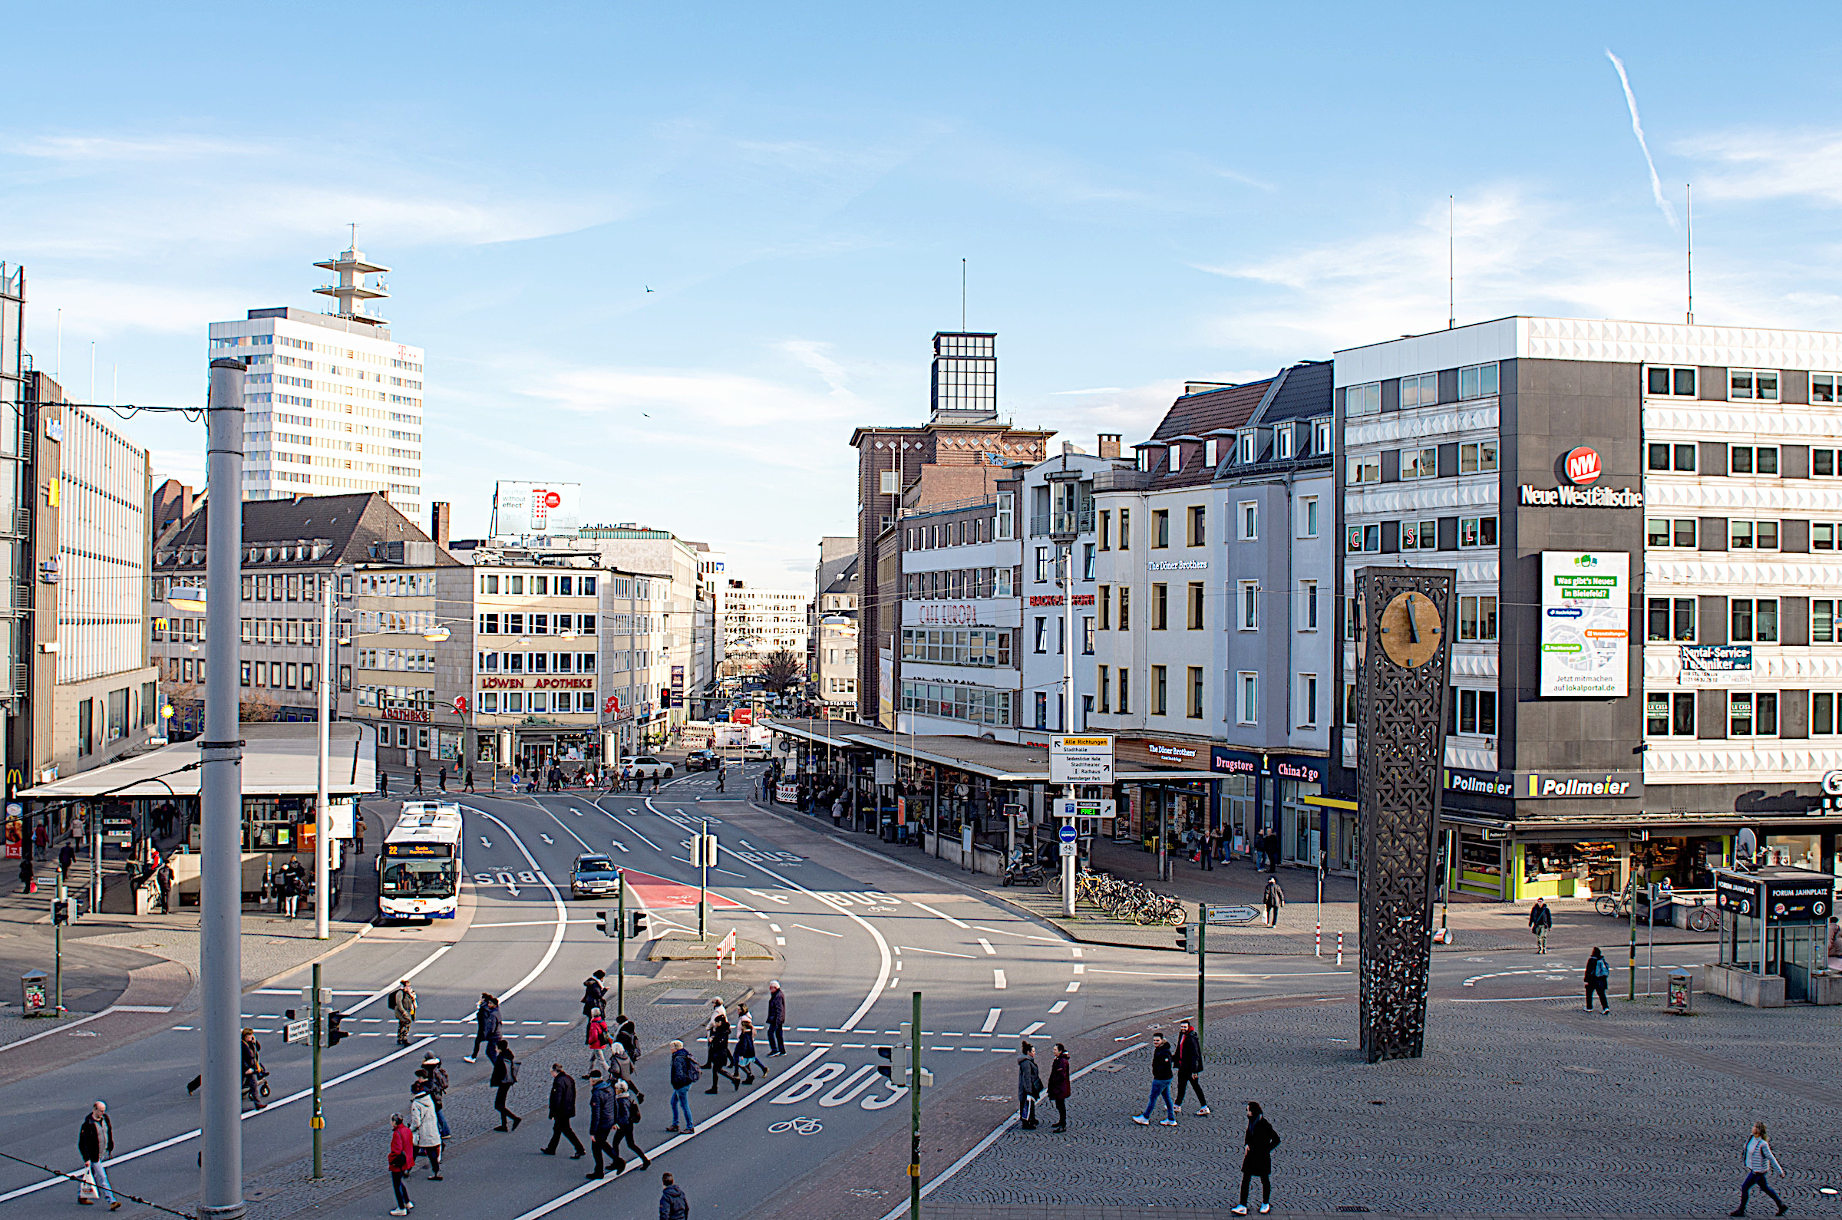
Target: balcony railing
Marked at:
1063, 522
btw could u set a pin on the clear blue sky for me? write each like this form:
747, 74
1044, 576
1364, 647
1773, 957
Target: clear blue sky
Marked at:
1146, 193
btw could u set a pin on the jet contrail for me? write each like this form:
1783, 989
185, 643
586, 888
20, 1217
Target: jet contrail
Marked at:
1637, 129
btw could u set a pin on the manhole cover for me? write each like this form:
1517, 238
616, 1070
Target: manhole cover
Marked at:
1111, 1067
681, 995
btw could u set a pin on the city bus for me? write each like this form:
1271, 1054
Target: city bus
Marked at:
419, 869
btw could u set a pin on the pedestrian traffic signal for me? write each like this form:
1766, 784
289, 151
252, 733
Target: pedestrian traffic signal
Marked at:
1183, 937
64, 910
334, 1020
636, 924
605, 925
895, 1070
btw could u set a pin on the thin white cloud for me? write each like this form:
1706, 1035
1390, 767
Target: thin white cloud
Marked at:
1758, 165
1637, 129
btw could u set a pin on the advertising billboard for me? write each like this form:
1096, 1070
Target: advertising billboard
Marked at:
1585, 624
521, 510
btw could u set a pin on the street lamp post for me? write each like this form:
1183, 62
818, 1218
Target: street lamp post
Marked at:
322, 846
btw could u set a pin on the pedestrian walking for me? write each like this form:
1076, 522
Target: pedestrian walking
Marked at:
504, 1076
383, 782
1275, 900
684, 1075
358, 830
563, 1112
441, 779
417, 787
486, 1024
601, 1125
469, 779
1189, 1068
402, 1159
721, 770
438, 1091
96, 1143
163, 877
620, 1067
1759, 1158
1598, 977
746, 1059
672, 1203
627, 1036
776, 1019
716, 1038
1257, 1159
1029, 1087
1541, 919
403, 1004
598, 1043
626, 1118
67, 856
425, 1129
1061, 1084
253, 1071
595, 993
1161, 1072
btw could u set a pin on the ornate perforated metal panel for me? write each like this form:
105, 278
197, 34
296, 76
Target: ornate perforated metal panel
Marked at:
1404, 618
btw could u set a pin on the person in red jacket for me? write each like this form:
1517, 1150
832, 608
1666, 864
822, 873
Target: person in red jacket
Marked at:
402, 1160
598, 1043
1060, 1086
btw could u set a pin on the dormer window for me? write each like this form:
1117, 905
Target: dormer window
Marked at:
1283, 443
1247, 448
1176, 458
1144, 457
1212, 452
1321, 438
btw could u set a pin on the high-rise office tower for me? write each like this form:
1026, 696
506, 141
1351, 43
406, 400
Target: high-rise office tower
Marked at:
333, 404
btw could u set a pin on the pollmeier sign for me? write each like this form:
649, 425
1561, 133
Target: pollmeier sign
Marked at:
1572, 785
1081, 760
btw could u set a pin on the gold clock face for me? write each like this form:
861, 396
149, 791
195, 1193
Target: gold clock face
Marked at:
1410, 630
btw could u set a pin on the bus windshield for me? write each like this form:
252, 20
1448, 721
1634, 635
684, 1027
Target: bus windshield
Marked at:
418, 878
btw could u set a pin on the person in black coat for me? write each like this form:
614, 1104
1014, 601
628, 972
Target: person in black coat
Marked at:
776, 1019
717, 1035
504, 1076
594, 994
486, 1024
1189, 1067
1257, 1159
627, 1036
253, 1071
562, 1110
95, 1142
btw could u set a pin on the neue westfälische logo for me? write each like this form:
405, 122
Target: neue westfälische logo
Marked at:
1583, 466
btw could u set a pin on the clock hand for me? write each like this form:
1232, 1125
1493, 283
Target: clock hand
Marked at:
1413, 627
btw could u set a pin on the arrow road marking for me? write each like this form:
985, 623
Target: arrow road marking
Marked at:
485, 842
618, 844
546, 838
991, 1021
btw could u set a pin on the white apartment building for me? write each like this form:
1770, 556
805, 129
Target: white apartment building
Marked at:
832, 651
759, 621
959, 667
332, 404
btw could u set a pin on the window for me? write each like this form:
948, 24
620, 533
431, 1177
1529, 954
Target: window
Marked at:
1669, 714
1308, 594
1672, 620
1676, 532
1007, 514
1106, 530
1160, 528
1757, 384
1419, 463
1477, 381
1474, 712
1284, 441
1477, 531
1157, 690
1753, 620
1247, 707
1307, 701
1042, 709
1752, 459
243, 674
1176, 457
1195, 699
1752, 714
1042, 635
1199, 524
1823, 464
1042, 564
1365, 469
1420, 391
1321, 438
1212, 452
1663, 455
1105, 688
1477, 617
1362, 399
1308, 517
1087, 634
1195, 617
1160, 606
1669, 382
1752, 535
1823, 621
1125, 691
1247, 514
1248, 446
1365, 538
1087, 561
1419, 535
1105, 602
1250, 605
1125, 528
1125, 608
1479, 457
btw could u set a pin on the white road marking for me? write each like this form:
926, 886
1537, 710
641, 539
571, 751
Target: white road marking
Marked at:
485, 842
562, 912
772, 927
1224, 974
1057, 1007
642, 838
991, 1021
62, 1026
1027, 1030
619, 846
780, 940
820, 931
935, 952
997, 979
546, 838
1075, 949
986, 945
1054, 940
942, 914
1080, 969
529, 923
1074, 987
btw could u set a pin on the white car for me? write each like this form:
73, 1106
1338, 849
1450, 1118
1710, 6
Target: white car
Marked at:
648, 767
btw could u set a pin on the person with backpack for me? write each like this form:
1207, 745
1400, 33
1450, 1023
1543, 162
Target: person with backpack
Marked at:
717, 1037
438, 1089
403, 1004
1257, 1159
601, 1125
1759, 1158
627, 1036
626, 1118
1189, 1067
1061, 1082
1029, 1087
776, 1019
684, 1075
1161, 1072
1598, 978
598, 1043
504, 1076
1541, 920
425, 1128
402, 1159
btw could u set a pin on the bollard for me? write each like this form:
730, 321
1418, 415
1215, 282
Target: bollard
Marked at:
1317, 942
1339, 948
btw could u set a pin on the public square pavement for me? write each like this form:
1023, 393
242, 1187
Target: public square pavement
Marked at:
1516, 1109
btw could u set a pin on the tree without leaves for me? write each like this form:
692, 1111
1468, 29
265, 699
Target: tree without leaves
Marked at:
782, 668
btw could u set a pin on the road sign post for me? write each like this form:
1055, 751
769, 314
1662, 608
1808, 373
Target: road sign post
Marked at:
620, 948
1077, 760
704, 853
1202, 977
318, 1121
914, 1115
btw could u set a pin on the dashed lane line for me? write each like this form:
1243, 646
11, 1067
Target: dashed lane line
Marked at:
997, 980
943, 915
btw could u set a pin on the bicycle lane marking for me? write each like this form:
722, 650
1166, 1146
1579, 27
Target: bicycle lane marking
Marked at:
570, 1196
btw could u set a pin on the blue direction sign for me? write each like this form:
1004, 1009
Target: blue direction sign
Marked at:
1068, 832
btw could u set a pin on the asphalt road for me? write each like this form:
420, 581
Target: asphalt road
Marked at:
857, 934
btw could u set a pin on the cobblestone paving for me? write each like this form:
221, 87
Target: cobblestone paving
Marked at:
1516, 1109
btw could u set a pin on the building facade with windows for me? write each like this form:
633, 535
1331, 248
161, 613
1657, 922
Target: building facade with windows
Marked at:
1643, 520
832, 651
332, 404
758, 622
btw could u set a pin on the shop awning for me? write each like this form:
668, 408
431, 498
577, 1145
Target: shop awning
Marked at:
278, 760
839, 734
1003, 761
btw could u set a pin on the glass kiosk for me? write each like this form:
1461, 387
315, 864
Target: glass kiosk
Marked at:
1774, 934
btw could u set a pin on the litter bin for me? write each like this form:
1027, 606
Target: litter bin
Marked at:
33, 1000
1681, 991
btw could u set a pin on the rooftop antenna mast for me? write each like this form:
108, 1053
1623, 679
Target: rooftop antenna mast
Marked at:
1688, 192
962, 294
1451, 262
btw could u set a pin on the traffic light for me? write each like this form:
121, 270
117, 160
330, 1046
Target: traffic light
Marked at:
64, 910
606, 925
636, 924
334, 1020
895, 1071
1183, 937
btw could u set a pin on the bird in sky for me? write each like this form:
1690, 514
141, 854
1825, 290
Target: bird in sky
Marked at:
649, 288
